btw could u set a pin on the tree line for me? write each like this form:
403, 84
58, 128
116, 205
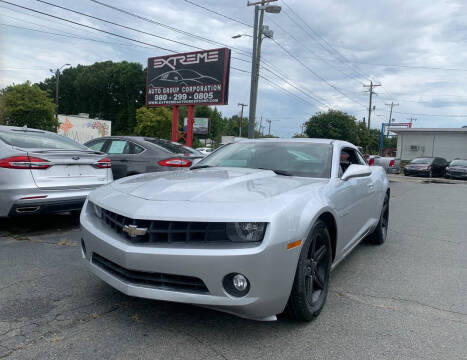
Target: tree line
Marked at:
115, 91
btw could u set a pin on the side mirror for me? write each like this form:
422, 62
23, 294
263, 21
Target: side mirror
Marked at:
354, 171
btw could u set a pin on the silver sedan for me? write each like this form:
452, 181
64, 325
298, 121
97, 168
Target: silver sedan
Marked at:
42, 172
252, 229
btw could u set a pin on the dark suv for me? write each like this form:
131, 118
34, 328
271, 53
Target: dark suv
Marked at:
426, 166
132, 155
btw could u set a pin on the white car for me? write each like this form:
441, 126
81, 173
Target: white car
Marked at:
252, 229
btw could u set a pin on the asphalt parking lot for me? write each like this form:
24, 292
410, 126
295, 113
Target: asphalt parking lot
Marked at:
406, 299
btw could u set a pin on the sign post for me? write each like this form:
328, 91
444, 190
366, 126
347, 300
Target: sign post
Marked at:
175, 123
189, 127
188, 79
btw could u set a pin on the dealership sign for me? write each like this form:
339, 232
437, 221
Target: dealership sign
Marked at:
196, 78
200, 126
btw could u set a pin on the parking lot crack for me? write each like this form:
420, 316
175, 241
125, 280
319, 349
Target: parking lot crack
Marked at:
414, 306
25, 280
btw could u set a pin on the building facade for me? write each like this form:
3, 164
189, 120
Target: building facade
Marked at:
449, 143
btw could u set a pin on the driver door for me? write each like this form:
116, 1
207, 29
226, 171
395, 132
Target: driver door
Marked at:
353, 201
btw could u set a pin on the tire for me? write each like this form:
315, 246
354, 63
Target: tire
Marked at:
312, 277
379, 235
430, 174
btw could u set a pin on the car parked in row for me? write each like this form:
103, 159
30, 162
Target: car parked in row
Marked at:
42, 172
457, 169
252, 229
132, 155
390, 164
426, 166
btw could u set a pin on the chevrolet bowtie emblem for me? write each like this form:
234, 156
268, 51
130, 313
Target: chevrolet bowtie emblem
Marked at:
134, 231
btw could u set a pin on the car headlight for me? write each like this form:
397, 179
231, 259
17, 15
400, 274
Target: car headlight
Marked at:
97, 210
246, 231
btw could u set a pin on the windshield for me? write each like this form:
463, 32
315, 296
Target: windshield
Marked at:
421, 161
459, 163
296, 158
30, 139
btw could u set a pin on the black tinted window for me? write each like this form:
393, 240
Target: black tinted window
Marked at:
30, 139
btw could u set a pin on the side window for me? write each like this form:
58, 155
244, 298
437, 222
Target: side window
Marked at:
119, 147
361, 159
97, 145
347, 158
135, 149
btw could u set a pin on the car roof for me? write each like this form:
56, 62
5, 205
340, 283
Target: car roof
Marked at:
20, 128
308, 140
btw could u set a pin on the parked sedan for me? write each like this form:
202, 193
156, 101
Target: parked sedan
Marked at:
132, 155
42, 172
426, 166
457, 169
390, 164
251, 229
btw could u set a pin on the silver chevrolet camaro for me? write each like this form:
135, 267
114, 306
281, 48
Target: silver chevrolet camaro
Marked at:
253, 229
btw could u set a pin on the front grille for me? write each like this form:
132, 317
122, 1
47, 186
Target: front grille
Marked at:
155, 280
164, 232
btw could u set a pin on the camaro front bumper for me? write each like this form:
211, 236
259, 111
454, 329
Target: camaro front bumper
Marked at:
269, 267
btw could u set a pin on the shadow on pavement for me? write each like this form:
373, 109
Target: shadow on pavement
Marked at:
37, 224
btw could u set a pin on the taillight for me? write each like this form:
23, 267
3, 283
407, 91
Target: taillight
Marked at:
175, 162
104, 163
25, 162
371, 162
391, 163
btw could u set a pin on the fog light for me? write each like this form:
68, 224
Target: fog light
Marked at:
240, 282
236, 284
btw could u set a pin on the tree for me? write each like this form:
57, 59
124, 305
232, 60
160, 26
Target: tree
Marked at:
155, 122
108, 90
27, 104
299, 136
332, 124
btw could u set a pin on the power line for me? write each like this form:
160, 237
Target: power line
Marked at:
437, 115
218, 13
170, 27
74, 36
119, 25
89, 27
314, 73
329, 48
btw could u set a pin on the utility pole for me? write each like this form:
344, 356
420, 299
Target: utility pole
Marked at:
411, 120
258, 30
57, 78
392, 104
269, 130
261, 125
370, 90
241, 118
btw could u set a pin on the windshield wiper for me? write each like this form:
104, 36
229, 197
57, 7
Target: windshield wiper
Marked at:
278, 172
201, 167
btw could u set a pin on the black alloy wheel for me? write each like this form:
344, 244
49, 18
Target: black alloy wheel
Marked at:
312, 276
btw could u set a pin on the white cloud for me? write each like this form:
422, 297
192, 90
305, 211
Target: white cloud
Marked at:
414, 33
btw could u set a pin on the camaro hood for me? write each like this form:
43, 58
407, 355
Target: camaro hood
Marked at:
211, 184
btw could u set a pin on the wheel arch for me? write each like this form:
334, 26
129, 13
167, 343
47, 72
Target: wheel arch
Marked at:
331, 224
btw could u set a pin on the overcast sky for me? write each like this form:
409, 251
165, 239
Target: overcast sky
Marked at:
416, 49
